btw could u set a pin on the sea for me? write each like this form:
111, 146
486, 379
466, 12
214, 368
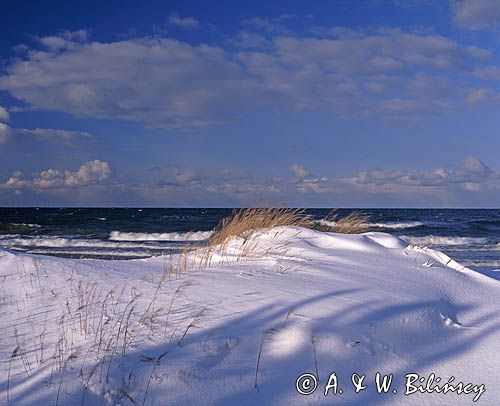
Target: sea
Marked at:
470, 236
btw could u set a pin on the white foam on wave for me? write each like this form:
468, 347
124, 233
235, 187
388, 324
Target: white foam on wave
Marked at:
29, 225
326, 222
445, 240
396, 225
188, 236
94, 253
24, 225
58, 242
493, 264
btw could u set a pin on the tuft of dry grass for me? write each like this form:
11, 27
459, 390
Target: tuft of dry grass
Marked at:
353, 223
243, 222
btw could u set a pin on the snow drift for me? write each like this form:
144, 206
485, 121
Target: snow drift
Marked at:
242, 330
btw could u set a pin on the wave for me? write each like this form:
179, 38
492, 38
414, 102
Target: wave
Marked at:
91, 254
393, 225
27, 225
58, 242
17, 228
482, 264
188, 236
326, 222
398, 225
445, 240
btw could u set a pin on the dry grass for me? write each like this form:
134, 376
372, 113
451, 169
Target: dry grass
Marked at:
243, 222
353, 223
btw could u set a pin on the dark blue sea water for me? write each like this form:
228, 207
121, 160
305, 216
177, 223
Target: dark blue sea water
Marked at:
470, 236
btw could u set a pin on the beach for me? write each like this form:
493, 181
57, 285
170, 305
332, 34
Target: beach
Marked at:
244, 326
470, 236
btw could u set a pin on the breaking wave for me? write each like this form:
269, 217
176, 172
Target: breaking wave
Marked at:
398, 225
17, 228
188, 236
58, 242
395, 225
445, 240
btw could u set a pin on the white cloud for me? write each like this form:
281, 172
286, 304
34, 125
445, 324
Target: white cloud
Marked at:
473, 166
5, 132
55, 135
305, 182
470, 172
477, 14
299, 172
90, 173
4, 115
64, 40
175, 176
471, 183
172, 84
16, 181
160, 82
481, 95
246, 39
44, 135
186, 22
255, 188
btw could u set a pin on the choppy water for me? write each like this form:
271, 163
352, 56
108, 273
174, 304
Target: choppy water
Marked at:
470, 236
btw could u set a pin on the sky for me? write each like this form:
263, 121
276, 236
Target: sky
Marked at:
373, 103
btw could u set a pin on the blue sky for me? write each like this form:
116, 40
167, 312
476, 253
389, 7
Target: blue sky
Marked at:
374, 103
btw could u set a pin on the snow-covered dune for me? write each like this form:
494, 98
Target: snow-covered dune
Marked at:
241, 331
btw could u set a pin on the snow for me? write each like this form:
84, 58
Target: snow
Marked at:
289, 300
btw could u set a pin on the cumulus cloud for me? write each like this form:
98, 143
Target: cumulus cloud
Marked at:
64, 40
234, 186
471, 183
299, 172
186, 22
470, 172
4, 115
306, 182
477, 14
5, 132
90, 173
176, 176
167, 83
